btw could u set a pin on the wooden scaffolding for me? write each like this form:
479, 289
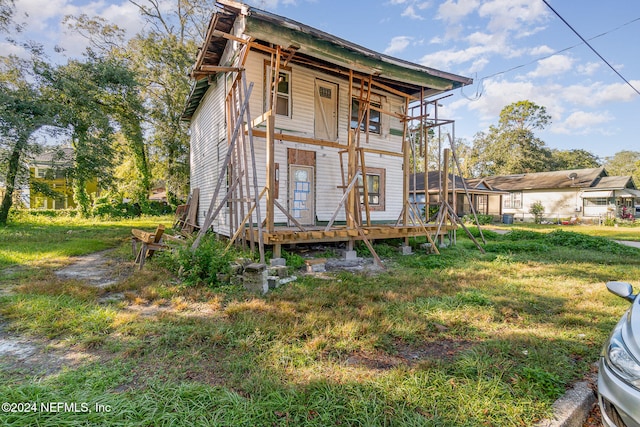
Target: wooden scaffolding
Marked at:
251, 227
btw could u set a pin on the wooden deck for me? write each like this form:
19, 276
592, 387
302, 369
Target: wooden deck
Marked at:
291, 235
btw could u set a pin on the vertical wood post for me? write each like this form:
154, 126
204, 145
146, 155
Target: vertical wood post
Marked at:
445, 183
271, 122
406, 162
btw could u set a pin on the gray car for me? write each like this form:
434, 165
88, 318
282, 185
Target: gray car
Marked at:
619, 365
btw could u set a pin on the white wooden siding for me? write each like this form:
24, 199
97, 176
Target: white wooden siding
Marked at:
208, 150
209, 144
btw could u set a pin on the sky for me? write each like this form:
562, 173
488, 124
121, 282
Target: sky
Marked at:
513, 49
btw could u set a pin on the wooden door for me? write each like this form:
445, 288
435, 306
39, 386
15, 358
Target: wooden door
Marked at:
326, 110
302, 194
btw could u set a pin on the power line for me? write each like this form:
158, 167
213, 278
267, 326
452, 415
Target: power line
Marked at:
591, 47
481, 80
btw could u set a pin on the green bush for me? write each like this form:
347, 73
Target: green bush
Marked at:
482, 219
155, 208
207, 265
294, 261
583, 241
537, 210
53, 213
105, 208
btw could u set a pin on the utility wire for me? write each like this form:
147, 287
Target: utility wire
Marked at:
479, 92
591, 47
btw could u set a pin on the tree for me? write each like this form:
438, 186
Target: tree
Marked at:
511, 147
161, 56
23, 111
624, 163
93, 98
573, 159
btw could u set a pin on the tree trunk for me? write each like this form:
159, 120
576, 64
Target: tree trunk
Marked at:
12, 175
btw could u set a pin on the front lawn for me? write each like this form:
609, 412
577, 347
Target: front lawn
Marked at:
459, 339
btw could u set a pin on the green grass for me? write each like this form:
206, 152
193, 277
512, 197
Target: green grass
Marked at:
460, 339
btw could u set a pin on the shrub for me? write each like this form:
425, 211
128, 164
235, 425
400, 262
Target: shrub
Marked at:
204, 266
482, 219
537, 210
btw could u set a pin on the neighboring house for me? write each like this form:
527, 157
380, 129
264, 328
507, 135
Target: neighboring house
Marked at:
49, 184
486, 201
325, 139
581, 193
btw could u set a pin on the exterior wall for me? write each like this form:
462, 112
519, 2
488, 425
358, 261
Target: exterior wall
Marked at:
558, 203
301, 123
209, 144
208, 151
60, 185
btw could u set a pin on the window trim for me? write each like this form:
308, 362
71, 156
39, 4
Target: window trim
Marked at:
380, 172
377, 125
513, 200
267, 84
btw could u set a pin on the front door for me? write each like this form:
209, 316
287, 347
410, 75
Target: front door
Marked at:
302, 194
326, 106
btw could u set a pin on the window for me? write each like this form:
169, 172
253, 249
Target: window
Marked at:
596, 201
482, 206
513, 200
375, 188
374, 116
283, 87
42, 172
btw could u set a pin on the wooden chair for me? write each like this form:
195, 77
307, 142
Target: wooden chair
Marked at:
150, 242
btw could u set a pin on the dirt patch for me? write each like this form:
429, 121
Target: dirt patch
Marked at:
410, 354
96, 269
47, 357
36, 355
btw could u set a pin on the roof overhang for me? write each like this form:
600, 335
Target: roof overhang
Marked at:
261, 25
628, 193
309, 47
596, 194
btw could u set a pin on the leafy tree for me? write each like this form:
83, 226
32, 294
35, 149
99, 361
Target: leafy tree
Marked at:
92, 97
624, 163
573, 159
511, 147
23, 111
161, 56
163, 62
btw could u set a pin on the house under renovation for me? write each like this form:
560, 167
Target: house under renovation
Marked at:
298, 136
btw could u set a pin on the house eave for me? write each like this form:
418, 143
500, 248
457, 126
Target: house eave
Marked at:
261, 27
275, 29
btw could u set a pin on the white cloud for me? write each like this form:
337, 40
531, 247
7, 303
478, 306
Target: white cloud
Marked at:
452, 11
410, 12
398, 44
511, 15
480, 51
582, 123
541, 50
554, 65
589, 69
596, 94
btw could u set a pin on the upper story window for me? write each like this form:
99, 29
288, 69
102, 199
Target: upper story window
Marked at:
282, 106
374, 117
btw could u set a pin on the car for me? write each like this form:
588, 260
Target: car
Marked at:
619, 365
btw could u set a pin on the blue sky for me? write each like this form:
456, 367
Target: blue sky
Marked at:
514, 50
